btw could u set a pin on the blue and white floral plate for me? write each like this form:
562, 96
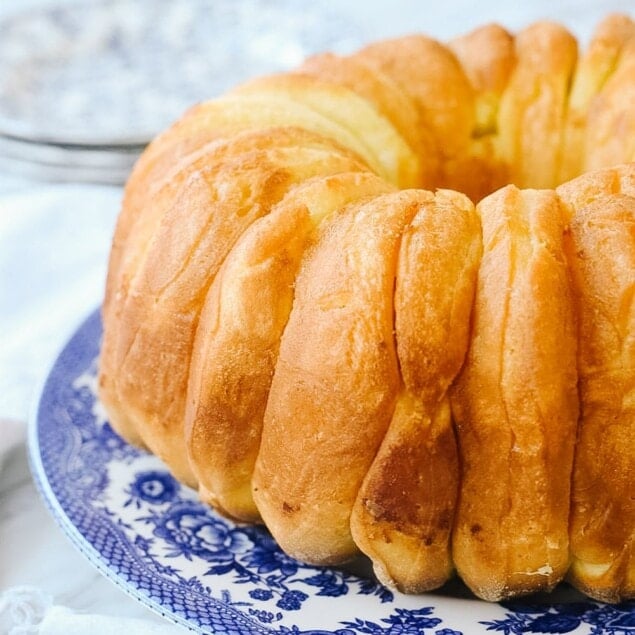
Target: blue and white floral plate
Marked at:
151, 536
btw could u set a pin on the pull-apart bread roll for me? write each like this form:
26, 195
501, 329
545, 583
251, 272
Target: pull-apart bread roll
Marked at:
610, 131
373, 136
158, 321
236, 345
515, 403
595, 67
403, 513
531, 116
601, 252
364, 366
488, 58
214, 126
335, 383
138, 224
431, 76
145, 198
219, 120
388, 99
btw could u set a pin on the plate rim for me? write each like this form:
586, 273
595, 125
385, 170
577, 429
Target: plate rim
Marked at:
73, 534
53, 505
97, 559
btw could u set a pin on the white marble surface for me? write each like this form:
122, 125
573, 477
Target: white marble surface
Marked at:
53, 250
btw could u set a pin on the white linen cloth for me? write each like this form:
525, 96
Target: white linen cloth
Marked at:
12, 434
54, 244
29, 611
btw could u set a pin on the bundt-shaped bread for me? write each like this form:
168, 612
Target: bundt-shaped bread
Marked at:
445, 381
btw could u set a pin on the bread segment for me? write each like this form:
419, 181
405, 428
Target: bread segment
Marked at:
375, 137
158, 321
515, 403
223, 119
146, 202
602, 257
601, 254
153, 185
595, 66
404, 511
531, 117
610, 133
431, 76
335, 383
236, 345
586, 189
388, 99
488, 58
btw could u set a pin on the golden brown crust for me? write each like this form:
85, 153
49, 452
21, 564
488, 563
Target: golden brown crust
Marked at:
403, 514
585, 189
602, 260
335, 383
237, 340
431, 76
387, 98
151, 178
515, 403
488, 58
364, 128
601, 256
148, 197
155, 329
222, 119
610, 129
531, 116
594, 67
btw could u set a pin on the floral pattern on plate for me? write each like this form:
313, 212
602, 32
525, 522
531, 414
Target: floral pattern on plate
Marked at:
151, 536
